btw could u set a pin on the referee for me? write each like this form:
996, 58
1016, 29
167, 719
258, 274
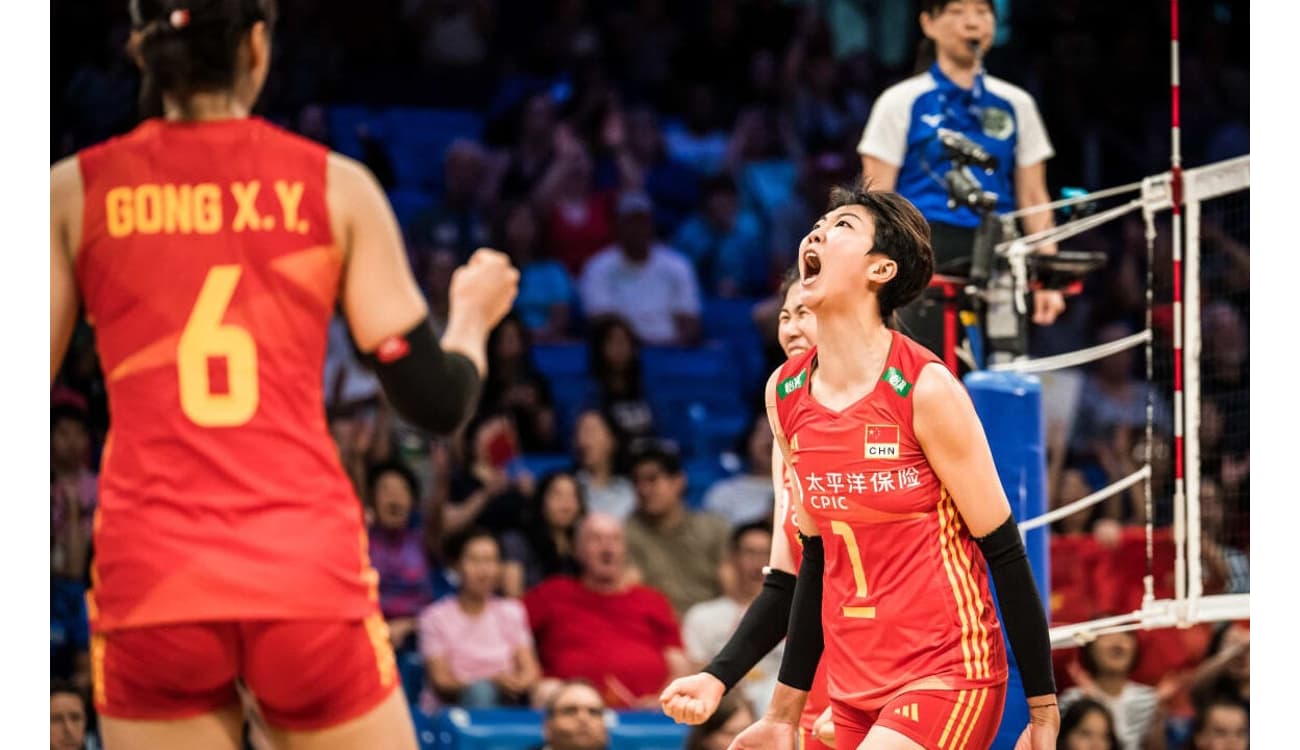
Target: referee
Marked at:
901, 151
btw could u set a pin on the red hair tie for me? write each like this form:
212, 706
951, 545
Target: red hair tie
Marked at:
180, 18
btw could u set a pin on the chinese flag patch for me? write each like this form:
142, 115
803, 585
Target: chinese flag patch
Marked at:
882, 441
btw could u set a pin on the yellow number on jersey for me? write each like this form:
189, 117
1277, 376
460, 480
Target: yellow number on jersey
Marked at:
844, 531
205, 337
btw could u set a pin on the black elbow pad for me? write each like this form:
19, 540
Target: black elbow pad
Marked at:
433, 389
1021, 607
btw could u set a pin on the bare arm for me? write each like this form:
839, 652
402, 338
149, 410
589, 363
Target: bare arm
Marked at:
781, 558
66, 200
678, 663
441, 677
1031, 190
882, 174
380, 297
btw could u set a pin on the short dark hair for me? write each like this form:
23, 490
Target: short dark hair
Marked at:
393, 467
1218, 701
457, 543
1088, 659
1077, 711
69, 412
657, 453
727, 708
788, 279
902, 234
935, 7
549, 708
740, 531
191, 46
59, 685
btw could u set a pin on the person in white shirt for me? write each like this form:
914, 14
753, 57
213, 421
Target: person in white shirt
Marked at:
708, 625
747, 497
647, 283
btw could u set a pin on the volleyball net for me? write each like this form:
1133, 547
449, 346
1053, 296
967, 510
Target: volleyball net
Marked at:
1147, 427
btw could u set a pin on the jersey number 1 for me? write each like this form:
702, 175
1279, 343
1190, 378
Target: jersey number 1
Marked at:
205, 337
845, 531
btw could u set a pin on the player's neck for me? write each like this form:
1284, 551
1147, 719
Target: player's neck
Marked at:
204, 107
847, 347
961, 74
471, 603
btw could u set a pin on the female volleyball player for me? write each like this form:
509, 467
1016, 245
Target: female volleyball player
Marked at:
901, 510
209, 249
695, 698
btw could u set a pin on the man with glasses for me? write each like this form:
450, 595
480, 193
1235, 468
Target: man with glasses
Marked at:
575, 719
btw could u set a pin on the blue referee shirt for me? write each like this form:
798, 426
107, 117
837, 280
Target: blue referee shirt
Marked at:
903, 131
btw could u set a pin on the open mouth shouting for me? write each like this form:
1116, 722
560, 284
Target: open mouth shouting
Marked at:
812, 266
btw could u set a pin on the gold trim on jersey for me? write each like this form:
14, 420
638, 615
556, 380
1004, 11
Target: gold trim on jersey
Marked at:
958, 592
97, 670
976, 601
975, 718
385, 661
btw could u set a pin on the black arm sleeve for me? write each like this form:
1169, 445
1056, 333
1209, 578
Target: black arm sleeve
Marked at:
1021, 607
433, 389
803, 645
760, 630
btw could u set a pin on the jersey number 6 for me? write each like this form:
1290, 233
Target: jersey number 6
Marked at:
205, 337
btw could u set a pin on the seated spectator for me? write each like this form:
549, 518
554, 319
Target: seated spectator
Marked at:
615, 361
514, 386
747, 497
74, 492
1087, 725
546, 292
649, 284
1226, 568
477, 648
672, 185
699, 142
1225, 671
1106, 665
719, 730
574, 718
69, 632
456, 222
483, 493
621, 636
67, 717
725, 244
533, 150
707, 626
1221, 724
678, 551
597, 446
396, 550
578, 218
545, 548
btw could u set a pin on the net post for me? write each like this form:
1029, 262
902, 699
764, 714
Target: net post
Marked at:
1192, 398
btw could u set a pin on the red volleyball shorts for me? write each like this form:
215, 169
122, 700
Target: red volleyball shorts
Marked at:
305, 675
936, 719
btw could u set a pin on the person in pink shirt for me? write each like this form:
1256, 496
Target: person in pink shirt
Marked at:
477, 647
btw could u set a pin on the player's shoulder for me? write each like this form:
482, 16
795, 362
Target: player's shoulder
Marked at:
907, 91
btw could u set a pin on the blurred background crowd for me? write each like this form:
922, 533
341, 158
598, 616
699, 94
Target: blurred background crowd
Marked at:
650, 166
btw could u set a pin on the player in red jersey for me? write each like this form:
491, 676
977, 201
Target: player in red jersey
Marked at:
902, 512
694, 698
209, 250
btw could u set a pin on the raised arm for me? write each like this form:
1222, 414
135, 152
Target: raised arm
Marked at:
432, 383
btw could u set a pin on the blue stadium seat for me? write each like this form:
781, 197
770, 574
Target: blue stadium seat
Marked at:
541, 464
560, 360
731, 322
488, 729
645, 730
418, 139
701, 474
408, 204
343, 123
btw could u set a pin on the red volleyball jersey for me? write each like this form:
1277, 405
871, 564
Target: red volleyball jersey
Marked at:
817, 697
209, 270
906, 602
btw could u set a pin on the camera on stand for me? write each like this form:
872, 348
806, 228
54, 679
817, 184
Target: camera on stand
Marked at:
997, 285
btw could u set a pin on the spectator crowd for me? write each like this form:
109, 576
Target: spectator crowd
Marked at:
601, 524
